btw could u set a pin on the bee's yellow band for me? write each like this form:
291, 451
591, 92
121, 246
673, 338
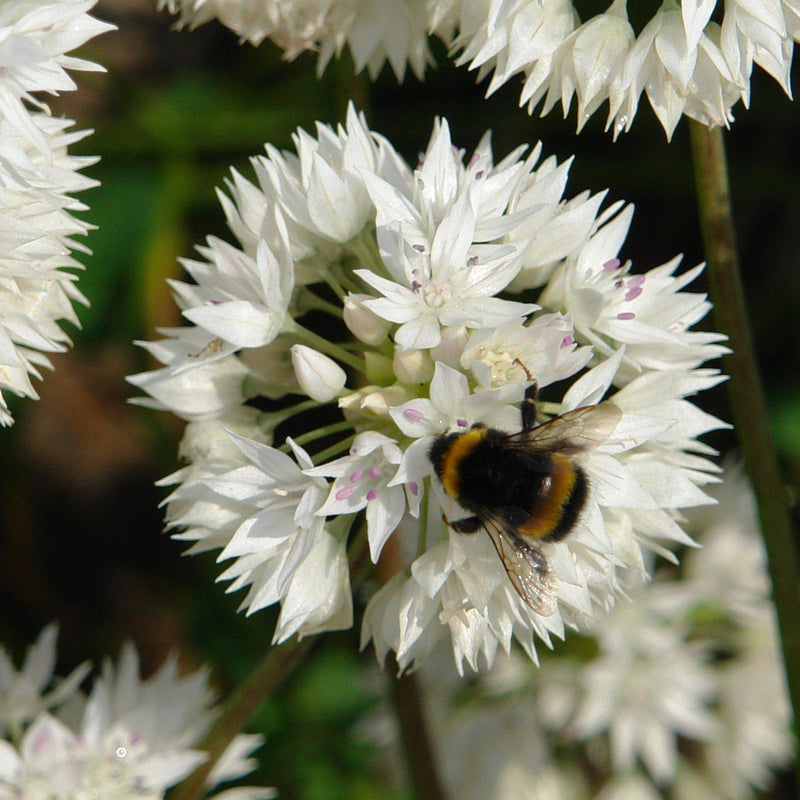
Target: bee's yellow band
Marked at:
547, 514
455, 455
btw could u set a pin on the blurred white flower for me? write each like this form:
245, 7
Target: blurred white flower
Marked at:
375, 32
24, 693
37, 180
129, 738
686, 64
422, 265
679, 692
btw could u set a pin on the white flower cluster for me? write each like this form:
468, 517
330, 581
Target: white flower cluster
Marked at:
375, 31
692, 57
684, 61
37, 180
377, 307
129, 738
680, 693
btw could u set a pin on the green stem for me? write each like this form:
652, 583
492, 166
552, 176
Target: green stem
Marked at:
747, 400
262, 683
311, 300
334, 450
414, 735
327, 430
268, 676
324, 346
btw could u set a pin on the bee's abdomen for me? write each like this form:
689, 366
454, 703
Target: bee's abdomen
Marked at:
559, 502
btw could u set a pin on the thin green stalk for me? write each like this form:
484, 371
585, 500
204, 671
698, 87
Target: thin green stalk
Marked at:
324, 346
415, 738
261, 684
334, 450
747, 400
327, 430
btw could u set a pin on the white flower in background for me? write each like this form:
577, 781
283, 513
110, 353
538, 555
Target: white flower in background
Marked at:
38, 179
686, 64
23, 693
129, 738
678, 692
425, 285
375, 32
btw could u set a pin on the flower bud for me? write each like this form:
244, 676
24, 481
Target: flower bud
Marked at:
412, 366
320, 377
364, 324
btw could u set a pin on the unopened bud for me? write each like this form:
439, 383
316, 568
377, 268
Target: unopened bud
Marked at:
320, 377
364, 324
412, 366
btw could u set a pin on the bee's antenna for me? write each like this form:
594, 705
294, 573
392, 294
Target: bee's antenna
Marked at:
518, 361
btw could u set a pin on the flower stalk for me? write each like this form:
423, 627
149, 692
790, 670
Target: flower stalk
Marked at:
748, 404
262, 683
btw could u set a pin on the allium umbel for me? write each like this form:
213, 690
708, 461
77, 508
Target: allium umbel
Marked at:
367, 308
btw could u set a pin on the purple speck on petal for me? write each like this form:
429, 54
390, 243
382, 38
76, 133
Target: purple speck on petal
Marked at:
371, 494
626, 315
478, 174
567, 341
632, 294
617, 284
344, 493
636, 280
415, 286
472, 261
420, 248
413, 488
413, 415
611, 265
374, 473
462, 423
41, 742
356, 476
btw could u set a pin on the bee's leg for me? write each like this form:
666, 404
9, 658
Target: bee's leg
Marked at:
528, 407
466, 525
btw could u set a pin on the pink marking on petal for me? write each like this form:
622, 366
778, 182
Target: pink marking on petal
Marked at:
415, 286
478, 174
636, 280
413, 415
371, 494
344, 493
420, 248
567, 341
626, 315
632, 294
356, 476
374, 473
413, 488
462, 423
611, 265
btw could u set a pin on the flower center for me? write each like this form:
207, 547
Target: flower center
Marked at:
437, 294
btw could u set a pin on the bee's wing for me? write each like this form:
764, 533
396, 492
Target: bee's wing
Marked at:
526, 567
572, 432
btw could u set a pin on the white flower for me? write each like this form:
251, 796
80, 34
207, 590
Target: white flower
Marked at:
37, 180
686, 64
320, 377
375, 32
129, 738
362, 480
23, 694
282, 548
679, 692
441, 249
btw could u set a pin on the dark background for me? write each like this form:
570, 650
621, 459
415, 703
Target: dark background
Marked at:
80, 527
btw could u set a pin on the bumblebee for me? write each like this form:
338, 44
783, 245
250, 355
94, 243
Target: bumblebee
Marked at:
523, 488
